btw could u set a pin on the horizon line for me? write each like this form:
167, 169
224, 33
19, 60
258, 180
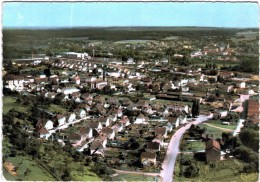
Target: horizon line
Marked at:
137, 26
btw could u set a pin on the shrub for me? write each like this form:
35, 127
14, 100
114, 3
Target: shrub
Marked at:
191, 171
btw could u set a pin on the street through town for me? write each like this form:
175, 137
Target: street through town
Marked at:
167, 171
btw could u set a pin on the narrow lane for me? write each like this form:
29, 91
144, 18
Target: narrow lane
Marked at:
167, 171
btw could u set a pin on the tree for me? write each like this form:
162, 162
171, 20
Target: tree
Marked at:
170, 51
195, 110
27, 172
192, 170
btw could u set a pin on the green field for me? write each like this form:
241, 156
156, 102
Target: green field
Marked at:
23, 163
85, 175
39, 174
230, 127
55, 108
9, 103
217, 133
132, 177
227, 170
190, 146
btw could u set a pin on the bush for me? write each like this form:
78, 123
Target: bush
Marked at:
249, 168
186, 160
191, 171
102, 170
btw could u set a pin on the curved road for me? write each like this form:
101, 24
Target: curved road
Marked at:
167, 171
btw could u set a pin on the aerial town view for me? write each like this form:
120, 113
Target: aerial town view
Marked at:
133, 91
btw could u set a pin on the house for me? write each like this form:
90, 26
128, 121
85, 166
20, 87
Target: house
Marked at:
44, 123
74, 138
104, 120
87, 97
159, 139
55, 88
143, 103
174, 121
86, 132
178, 107
140, 119
182, 119
84, 106
163, 111
112, 101
95, 125
80, 113
117, 112
108, 132
153, 147
118, 127
148, 158
148, 110
241, 84
102, 139
71, 117
61, 119
213, 150
100, 109
51, 95
253, 111
14, 82
100, 84
96, 147
161, 131
168, 127
76, 80
125, 121
113, 117
44, 133
69, 90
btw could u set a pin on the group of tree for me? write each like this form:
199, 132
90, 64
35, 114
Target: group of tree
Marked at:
189, 167
244, 147
195, 110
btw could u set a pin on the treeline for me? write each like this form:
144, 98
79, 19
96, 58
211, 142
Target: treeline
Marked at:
111, 34
247, 64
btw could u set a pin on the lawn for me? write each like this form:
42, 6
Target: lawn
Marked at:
55, 108
83, 174
193, 146
9, 103
230, 127
132, 177
23, 163
227, 170
217, 133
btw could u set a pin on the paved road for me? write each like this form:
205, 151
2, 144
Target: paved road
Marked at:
167, 171
239, 126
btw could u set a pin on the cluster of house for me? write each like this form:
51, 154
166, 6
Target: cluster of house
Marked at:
104, 118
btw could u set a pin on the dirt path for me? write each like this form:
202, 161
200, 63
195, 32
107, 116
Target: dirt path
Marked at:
137, 172
224, 129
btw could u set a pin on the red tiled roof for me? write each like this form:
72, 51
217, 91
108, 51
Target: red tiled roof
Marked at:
212, 144
253, 107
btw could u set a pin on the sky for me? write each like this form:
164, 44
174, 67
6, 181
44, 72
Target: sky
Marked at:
204, 14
